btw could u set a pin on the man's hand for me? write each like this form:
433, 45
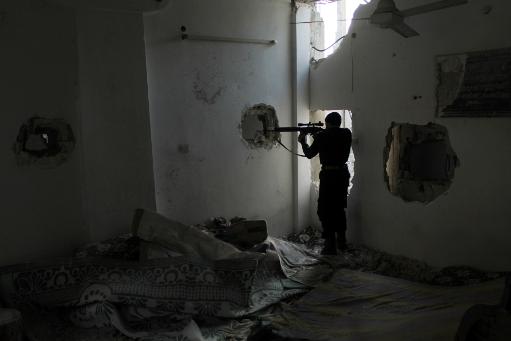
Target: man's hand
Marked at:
302, 138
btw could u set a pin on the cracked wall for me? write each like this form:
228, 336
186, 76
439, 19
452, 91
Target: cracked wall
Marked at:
385, 78
210, 96
42, 209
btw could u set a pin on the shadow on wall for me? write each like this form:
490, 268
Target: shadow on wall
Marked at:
419, 161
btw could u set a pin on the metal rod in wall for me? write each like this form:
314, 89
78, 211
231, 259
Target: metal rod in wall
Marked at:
186, 36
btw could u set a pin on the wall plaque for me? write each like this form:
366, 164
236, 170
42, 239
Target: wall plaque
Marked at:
474, 84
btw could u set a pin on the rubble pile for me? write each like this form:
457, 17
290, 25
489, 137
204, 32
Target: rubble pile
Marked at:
122, 247
310, 237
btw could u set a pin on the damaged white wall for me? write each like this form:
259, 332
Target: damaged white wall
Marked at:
114, 108
41, 208
302, 172
198, 91
376, 75
88, 68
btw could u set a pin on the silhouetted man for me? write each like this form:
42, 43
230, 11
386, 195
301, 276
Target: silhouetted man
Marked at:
333, 145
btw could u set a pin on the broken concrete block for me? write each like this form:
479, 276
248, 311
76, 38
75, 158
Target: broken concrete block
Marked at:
245, 234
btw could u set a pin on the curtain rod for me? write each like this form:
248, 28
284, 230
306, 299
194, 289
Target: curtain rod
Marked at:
186, 36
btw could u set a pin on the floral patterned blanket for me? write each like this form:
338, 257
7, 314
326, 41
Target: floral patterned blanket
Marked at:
203, 290
102, 293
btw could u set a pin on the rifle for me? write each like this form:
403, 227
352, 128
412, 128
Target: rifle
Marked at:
305, 128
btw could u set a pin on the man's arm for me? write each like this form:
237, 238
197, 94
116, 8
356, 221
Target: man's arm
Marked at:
308, 151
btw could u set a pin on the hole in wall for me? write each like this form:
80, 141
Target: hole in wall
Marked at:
331, 20
419, 162
257, 124
44, 142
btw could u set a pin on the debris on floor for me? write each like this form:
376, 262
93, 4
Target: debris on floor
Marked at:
362, 258
182, 281
122, 247
170, 281
310, 237
243, 233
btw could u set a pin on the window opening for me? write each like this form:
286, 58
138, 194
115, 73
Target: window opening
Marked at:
330, 22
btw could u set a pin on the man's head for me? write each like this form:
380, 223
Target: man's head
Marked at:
333, 120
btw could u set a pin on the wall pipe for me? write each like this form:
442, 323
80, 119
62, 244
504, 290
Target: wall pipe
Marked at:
186, 36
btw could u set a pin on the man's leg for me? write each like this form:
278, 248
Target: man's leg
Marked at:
325, 212
341, 231
329, 235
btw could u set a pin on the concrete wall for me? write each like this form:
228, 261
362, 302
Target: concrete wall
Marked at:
41, 208
88, 68
197, 92
469, 225
301, 112
118, 175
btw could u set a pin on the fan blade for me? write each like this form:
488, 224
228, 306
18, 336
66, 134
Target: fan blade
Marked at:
404, 30
385, 6
435, 6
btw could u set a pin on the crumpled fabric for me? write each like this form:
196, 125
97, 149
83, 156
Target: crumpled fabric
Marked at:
183, 239
299, 263
160, 298
358, 306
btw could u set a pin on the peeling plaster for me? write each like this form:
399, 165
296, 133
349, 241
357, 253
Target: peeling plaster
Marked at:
206, 91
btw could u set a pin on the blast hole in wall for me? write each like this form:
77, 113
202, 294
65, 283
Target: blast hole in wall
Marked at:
44, 142
330, 21
257, 125
419, 162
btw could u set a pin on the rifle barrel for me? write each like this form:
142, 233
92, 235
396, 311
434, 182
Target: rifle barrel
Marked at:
305, 129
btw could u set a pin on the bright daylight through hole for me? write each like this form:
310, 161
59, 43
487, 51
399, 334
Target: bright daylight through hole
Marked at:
337, 17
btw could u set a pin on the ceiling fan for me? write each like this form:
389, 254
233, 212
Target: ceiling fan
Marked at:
387, 15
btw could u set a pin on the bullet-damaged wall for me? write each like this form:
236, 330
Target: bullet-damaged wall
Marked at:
382, 77
114, 109
82, 72
198, 92
41, 206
